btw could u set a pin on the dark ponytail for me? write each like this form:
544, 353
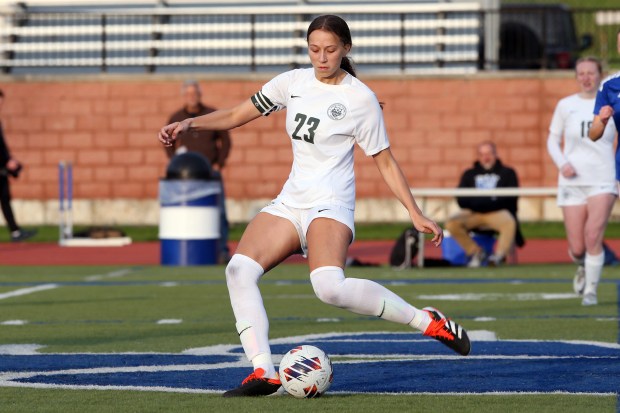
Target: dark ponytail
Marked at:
339, 27
347, 64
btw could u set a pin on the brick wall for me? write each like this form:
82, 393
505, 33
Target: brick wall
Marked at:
107, 127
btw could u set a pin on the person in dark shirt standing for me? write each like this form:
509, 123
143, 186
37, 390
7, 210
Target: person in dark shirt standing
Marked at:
9, 167
496, 213
214, 145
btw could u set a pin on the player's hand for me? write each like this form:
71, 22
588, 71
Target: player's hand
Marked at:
605, 113
12, 164
168, 134
427, 226
568, 171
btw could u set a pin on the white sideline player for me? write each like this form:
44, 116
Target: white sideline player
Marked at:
587, 186
328, 111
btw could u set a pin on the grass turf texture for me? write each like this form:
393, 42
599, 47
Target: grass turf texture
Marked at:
67, 401
375, 231
115, 313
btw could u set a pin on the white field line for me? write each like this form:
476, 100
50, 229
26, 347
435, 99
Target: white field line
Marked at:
44, 287
112, 274
94, 387
353, 359
170, 321
499, 296
8, 379
14, 323
11, 379
20, 349
111, 370
280, 394
26, 291
488, 393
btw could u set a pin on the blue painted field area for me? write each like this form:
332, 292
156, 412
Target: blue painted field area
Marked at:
366, 362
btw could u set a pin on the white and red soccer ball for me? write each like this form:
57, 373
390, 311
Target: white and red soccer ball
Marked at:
306, 372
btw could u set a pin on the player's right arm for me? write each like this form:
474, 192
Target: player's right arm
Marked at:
599, 122
557, 131
223, 119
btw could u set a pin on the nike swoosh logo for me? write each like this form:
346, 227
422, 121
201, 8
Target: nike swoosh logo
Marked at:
242, 331
295, 96
321, 210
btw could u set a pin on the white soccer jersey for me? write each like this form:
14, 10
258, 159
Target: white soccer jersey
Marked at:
593, 161
324, 122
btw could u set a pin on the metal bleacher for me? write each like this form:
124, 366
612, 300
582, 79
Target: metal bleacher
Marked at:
85, 36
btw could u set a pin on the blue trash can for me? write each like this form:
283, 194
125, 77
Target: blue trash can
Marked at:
189, 221
451, 250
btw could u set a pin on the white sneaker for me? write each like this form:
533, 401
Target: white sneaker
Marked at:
589, 299
579, 281
478, 259
495, 260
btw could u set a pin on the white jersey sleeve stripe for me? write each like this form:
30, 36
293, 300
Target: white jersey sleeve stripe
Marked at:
263, 104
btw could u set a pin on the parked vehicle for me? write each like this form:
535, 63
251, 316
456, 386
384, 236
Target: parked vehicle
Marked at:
539, 36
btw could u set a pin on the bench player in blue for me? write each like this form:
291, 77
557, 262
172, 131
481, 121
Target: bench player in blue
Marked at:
606, 108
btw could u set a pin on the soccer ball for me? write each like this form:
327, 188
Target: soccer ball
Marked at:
306, 372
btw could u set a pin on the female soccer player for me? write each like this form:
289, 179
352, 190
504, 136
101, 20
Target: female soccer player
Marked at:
328, 111
587, 185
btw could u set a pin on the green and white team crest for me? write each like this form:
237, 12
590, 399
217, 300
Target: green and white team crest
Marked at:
337, 111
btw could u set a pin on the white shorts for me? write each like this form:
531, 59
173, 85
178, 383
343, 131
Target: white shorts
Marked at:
578, 195
302, 218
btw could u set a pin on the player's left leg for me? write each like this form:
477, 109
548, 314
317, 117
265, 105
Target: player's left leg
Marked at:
328, 241
574, 224
599, 208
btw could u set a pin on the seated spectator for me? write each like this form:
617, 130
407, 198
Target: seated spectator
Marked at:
488, 213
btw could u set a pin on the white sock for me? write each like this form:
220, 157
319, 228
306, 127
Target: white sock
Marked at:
263, 361
594, 268
362, 296
242, 275
421, 320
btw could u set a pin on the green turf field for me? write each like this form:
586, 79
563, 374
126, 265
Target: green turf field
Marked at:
113, 309
363, 231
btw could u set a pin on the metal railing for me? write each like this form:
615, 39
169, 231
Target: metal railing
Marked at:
387, 37
397, 37
447, 194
